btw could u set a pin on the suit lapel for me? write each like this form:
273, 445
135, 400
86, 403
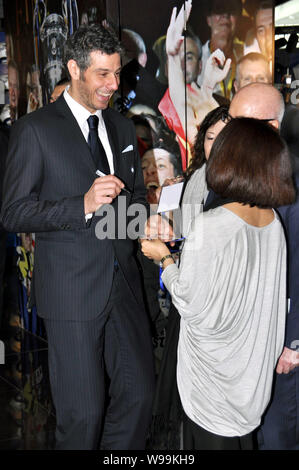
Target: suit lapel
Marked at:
73, 127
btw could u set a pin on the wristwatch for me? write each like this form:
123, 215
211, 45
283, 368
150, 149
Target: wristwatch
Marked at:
165, 257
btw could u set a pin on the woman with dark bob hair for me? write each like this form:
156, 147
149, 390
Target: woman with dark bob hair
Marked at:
230, 289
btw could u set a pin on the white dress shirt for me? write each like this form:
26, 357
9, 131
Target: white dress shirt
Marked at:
81, 115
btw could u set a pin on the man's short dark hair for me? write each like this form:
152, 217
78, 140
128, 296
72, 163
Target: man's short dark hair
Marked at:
249, 163
264, 5
191, 35
87, 39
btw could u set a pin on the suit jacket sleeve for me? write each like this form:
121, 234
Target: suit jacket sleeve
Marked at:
22, 209
290, 216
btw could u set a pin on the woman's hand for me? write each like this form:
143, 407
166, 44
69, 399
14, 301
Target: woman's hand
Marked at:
154, 249
158, 227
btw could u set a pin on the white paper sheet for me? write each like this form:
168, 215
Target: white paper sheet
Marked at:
170, 197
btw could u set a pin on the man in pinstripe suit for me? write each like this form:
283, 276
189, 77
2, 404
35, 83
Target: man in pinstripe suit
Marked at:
87, 290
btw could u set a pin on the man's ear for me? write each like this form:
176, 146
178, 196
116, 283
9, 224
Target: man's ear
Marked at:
209, 20
274, 123
142, 59
236, 86
73, 69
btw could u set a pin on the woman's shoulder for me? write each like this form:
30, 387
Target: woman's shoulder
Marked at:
217, 226
196, 186
199, 173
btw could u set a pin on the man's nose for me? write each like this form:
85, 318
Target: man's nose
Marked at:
151, 169
113, 82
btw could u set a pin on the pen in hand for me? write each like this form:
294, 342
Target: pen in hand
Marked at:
100, 173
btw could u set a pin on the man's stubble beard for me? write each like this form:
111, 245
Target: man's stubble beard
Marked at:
85, 95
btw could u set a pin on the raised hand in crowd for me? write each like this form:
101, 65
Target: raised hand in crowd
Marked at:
216, 70
175, 29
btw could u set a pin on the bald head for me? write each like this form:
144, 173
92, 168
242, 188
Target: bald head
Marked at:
260, 101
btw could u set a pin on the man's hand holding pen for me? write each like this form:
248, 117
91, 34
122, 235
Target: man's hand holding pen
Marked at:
103, 190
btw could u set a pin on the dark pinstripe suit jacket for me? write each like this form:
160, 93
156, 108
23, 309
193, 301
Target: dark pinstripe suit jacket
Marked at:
49, 168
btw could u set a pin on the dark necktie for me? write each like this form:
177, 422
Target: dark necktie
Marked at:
96, 146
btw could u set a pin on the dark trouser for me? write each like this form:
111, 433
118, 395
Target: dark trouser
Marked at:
102, 375
195, 437
280, 425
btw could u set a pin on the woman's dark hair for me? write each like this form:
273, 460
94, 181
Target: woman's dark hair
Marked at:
198, 152
249, 163
87, 39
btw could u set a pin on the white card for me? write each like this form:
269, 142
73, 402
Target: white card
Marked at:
170, 197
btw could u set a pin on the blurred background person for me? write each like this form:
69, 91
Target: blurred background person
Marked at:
59, 88
137, 85
222, 19
184, 109
34, 90
252, 68
13, 89
158, 164
134, 47
261, 38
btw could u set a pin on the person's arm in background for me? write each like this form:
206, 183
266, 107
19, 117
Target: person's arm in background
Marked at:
290, 355
200, 101
176, 79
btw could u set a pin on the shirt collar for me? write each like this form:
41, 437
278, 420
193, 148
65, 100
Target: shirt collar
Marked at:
79, 111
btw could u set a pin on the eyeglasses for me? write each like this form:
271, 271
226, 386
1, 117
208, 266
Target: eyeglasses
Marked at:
226, 117
267, 120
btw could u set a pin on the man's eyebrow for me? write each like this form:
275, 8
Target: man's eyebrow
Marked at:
100, 69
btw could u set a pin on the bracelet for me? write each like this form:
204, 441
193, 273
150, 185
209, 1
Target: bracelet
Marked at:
166, 257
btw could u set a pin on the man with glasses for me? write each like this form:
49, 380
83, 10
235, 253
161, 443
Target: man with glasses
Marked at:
281, 420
